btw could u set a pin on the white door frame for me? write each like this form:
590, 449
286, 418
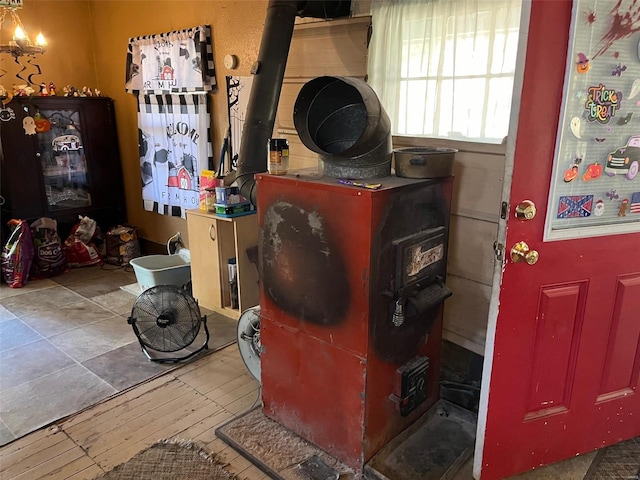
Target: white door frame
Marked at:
494, 304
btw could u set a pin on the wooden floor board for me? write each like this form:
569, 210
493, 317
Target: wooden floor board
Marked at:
107, 420
245, 385
48, 468
87, 474
171, 413
206, 427
204, 411
79, 464
238, 464
252, 473
210, 376
96, 414
25, 442
42, 452
243, 403
95, 442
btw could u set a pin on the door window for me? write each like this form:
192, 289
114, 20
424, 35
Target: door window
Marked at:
595, 189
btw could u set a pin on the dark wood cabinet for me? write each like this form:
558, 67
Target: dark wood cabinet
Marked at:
60, 159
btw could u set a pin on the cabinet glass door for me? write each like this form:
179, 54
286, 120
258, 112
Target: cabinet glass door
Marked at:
61, 151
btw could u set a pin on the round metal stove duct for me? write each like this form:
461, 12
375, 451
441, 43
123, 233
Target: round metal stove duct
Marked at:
343, 121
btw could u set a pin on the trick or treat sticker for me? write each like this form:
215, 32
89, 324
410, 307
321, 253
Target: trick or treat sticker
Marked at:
602, 103
575, 206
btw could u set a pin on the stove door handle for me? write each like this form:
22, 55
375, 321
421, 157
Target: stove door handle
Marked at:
430, 297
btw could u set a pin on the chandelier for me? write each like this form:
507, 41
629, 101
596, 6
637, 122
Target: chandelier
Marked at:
21, 44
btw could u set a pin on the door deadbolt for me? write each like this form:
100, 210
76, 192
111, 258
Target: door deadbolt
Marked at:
521, 252
526, 210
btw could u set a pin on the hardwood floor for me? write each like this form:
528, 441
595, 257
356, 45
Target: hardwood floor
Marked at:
187, 403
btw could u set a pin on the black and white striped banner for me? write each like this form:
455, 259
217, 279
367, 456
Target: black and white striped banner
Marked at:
172, 62
174, 136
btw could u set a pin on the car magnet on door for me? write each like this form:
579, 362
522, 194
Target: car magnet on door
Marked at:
625, 160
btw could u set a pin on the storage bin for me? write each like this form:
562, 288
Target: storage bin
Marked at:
152, 270
233, 210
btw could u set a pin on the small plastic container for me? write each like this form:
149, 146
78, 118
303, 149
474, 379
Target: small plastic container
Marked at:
152, 270
278, 156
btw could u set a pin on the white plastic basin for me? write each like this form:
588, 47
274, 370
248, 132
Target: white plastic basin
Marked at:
152, 270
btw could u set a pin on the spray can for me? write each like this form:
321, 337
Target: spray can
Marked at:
233, 282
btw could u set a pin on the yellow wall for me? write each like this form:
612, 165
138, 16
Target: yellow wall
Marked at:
236, 28
88, 45
69, 57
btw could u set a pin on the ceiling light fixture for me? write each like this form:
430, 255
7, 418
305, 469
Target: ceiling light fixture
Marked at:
21, 44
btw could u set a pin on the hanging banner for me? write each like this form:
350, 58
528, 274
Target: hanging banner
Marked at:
175, 144
595, 188
173, 62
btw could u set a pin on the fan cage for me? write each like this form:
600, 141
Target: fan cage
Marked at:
165, 318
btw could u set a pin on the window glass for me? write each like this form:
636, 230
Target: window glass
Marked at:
444, 68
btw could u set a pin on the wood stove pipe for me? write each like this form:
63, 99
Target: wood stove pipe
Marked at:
267, 82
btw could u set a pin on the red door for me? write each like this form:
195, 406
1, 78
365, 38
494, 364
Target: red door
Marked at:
563, 354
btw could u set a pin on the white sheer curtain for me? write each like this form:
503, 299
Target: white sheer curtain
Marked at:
444, 68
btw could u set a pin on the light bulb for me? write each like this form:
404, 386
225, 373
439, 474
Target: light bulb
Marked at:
19, 34
40, 40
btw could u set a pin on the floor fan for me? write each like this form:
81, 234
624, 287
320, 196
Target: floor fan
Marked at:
166, 319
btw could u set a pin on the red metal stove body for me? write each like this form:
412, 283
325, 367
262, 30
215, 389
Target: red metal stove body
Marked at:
336, 261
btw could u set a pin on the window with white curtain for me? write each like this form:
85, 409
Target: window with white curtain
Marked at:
445, 68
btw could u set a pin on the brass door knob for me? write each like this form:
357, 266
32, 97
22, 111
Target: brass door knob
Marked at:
526, 210
521, 252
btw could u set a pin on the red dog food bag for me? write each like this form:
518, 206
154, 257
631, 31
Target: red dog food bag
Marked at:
17, 254
79, 250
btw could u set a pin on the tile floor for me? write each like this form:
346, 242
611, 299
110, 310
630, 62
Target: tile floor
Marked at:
65, 345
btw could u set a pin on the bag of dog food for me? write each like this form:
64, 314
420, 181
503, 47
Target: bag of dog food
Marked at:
122, 245
49, 258
79, 249
17, 254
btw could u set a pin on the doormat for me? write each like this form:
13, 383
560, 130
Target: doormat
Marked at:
434, 448
171, 460
277, 451
617, 462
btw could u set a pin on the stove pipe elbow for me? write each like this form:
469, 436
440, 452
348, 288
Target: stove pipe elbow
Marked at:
343, 121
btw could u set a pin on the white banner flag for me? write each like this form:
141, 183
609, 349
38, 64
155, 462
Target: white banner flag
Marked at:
175, 144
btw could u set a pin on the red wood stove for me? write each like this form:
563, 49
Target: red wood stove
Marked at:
351, 306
